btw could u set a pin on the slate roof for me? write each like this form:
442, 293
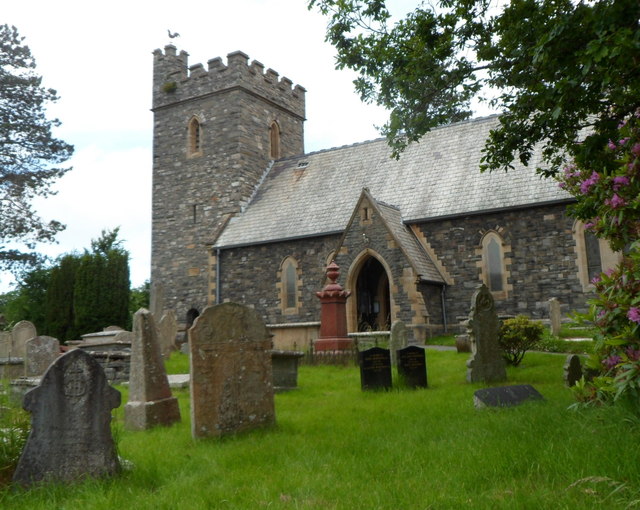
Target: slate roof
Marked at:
314, 194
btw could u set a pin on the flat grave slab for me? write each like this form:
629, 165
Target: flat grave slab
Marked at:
505, 396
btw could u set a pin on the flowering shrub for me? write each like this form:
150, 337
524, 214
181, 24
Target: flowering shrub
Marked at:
607, 191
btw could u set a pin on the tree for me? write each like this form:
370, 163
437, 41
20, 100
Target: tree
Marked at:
27, 301
554, 68
59, 317
29, 154
101, 289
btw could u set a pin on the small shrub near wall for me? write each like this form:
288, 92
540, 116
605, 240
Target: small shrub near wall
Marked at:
517, 336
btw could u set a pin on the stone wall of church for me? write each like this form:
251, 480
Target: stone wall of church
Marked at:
250, 275
542, 259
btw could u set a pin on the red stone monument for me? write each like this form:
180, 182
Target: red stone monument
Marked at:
333, 314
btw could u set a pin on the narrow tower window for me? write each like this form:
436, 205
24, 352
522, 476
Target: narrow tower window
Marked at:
494, 270
289, 286
195, 137
274, 139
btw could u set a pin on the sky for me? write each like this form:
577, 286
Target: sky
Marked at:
98, 56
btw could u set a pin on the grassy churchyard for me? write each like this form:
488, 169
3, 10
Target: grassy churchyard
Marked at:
336, 447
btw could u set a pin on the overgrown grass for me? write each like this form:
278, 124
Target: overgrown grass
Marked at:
336, 447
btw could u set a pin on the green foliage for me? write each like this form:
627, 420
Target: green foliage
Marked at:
169, 87
59, 299
101, 290
553, 67
14, 429
139, 298
29, 154
27, 301
517, 336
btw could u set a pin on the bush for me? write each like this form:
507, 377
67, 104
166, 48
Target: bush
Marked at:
517, 336
14, 429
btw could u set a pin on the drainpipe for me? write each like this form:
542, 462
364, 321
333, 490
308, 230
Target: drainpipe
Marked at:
217, 276
444, 309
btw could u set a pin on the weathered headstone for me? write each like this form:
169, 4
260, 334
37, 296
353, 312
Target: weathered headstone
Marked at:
462, 343
397, 339
412, 366
554, 316
70, 434
231, 373
5, 344
505, 396
156, 299
150, 400
41, 351
572, 370
375, 369
167, 331
21, 332
486, 363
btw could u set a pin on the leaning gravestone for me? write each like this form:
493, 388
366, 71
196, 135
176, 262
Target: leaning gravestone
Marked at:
21, 332
572, 370
412, 366
397, 339
70, 434
555, 316
41, 351
231, 373
505, 396
150, 400
486, 363
167, 331
375, 369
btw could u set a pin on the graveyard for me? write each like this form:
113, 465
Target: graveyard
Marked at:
335, 446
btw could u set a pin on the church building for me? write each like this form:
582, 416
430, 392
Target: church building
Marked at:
241, 213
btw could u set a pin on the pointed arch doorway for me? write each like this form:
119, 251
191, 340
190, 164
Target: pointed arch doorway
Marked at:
371, 308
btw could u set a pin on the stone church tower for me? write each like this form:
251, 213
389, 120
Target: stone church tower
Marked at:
216, 133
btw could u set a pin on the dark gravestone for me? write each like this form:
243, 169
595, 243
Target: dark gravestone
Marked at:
505, 396
70, 423
412, 366
572, 370
375, 369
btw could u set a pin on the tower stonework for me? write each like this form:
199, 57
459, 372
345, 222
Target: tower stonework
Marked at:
212, 144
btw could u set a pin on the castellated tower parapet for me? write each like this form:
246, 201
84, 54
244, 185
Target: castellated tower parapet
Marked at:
174, 80
216, 131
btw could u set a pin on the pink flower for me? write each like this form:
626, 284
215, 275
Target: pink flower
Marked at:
611, 361
587, 183
620, 181
635, 150
623, 141
589, 226
634, 314
611, 145
633, 354
615, 201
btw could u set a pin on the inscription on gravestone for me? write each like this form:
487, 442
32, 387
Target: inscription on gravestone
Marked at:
70, 434
231, 374
412, 366
375, 369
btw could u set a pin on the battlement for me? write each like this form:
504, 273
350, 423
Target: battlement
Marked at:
176, 81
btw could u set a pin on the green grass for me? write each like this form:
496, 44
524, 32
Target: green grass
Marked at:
336, 447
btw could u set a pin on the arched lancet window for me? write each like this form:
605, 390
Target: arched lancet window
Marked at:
195, 137
593, 255
290, 285
494, 272
274, 141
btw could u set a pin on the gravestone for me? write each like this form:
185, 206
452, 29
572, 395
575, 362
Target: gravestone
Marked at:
375, 369
70, 434
554, 316
5, 344
150, 400
167, 331
20, 333
486, 363
231, 374
572, 370
505, 396
156, 299
412, 366
41, 351
397, 339
462, 343
113, 328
